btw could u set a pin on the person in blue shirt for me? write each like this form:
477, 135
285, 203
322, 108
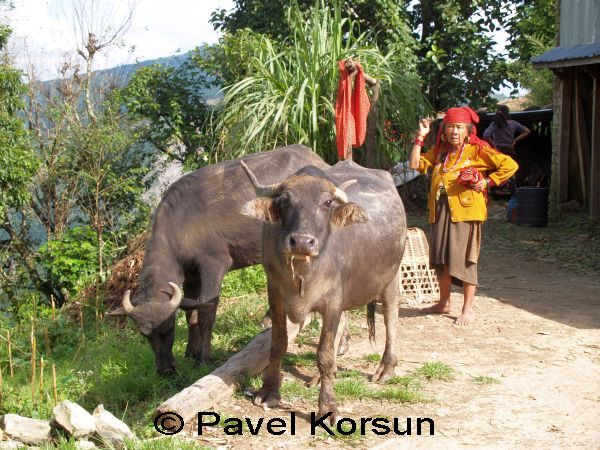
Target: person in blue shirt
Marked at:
504, 133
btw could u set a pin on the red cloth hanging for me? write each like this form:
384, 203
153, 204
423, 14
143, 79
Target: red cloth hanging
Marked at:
351, 109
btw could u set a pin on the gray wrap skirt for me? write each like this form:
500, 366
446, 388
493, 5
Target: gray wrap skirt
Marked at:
454, 244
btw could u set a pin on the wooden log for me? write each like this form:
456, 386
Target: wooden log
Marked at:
221, 383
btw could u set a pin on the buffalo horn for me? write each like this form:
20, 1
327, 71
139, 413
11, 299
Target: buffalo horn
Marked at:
340, 196
339, 193
127, 303
262, 191
176, 299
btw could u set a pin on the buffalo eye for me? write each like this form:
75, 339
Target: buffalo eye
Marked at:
284, 201
328, 203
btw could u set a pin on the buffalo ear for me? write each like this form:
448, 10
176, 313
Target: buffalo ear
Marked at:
348, 214
261, 208
189, 303
119, 312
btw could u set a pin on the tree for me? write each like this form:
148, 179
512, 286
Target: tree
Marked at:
451, 38
17, 167
532, 31
84, 172
170, 109
458, 63
268, 18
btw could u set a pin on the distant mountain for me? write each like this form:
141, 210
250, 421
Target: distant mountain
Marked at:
123, 73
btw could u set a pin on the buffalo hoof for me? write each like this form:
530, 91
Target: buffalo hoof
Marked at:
200, 356
330, 408
266, 322
267, 398
169, 371
384, 372
313, 381
344, 345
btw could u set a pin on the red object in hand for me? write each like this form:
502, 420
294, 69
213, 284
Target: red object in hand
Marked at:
469, 177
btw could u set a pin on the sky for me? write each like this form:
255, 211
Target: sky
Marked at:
42, 32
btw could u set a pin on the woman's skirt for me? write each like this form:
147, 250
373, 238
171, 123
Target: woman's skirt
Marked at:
454, 244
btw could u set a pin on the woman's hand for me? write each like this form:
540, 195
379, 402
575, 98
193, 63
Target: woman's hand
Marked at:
480, 185
424, 126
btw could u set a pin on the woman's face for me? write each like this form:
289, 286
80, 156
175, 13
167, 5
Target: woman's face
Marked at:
456, 133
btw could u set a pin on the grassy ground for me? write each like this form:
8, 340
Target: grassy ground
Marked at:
110, 364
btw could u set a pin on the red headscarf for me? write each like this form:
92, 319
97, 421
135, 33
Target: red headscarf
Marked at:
461, 114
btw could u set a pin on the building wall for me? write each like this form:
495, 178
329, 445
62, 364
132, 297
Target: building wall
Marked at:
579, 22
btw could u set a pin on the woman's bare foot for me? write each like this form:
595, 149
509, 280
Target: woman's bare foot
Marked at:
466, 318
438, 308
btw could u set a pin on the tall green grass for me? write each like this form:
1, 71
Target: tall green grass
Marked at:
289, 91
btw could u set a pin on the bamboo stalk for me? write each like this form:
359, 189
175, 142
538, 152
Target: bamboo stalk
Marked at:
81, 317
10, 361
1, 387
33, 362
54, 384
47, 341
41, 377
53, 307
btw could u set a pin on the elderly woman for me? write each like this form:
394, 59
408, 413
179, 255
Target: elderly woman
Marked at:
463, 167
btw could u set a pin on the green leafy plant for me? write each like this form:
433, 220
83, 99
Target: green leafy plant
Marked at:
288, 94
73, 259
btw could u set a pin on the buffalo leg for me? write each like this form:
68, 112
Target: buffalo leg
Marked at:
343, 341
269, 393
191, 289
200, 333
391, 303
341, 334
326, 362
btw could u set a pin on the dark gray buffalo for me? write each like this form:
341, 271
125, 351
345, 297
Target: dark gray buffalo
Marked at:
198, 235
333, 241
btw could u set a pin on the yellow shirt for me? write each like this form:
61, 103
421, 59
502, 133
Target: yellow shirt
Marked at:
465, 204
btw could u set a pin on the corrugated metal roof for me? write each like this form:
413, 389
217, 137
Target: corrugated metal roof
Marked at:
569, 56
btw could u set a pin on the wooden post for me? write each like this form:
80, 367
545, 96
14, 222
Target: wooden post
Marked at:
582, 139
372, 82
371, 140
595, 163
563, 135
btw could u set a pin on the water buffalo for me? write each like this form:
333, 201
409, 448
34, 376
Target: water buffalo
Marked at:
332, 241
198, 235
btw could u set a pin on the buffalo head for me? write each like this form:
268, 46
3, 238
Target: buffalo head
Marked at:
155, 319
306, 206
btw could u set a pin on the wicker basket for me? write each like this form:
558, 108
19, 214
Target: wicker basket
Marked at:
418, 283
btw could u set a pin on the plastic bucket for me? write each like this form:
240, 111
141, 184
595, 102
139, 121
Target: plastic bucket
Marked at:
511, 209
533, 206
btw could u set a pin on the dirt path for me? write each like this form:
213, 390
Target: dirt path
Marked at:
536, 337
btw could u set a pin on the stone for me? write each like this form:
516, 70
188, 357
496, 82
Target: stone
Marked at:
26, 430
85, 445
74, 419
9, 445
110, 429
